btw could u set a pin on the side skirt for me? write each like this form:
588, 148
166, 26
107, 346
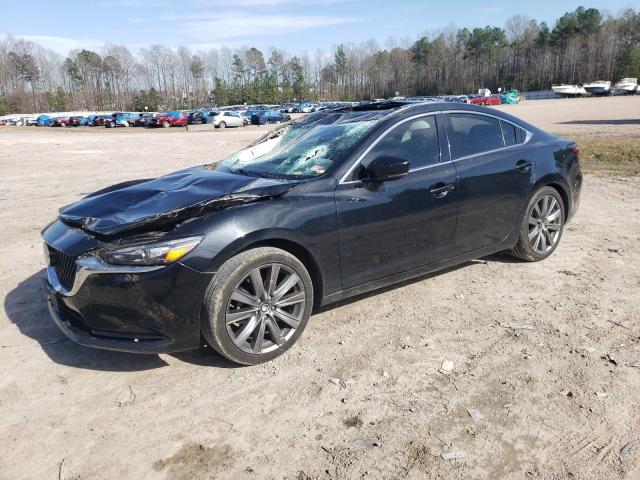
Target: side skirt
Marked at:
506, 244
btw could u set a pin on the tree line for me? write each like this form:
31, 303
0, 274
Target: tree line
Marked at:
580, 46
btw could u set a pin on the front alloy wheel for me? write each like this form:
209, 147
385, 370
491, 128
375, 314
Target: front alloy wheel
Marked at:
265, 308
257, 305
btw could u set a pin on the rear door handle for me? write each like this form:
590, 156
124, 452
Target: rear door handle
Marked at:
523, 166
440, 190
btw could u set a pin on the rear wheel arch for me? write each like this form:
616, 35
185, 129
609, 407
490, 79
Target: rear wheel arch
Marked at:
563, 194
523, 248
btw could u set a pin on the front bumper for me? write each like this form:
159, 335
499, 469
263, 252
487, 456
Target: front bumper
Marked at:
145, 309
152, 311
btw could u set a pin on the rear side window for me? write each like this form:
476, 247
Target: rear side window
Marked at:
472, 134
512, 135
415, 141
509, 133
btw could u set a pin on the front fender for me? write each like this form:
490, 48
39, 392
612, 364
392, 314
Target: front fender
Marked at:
307, 222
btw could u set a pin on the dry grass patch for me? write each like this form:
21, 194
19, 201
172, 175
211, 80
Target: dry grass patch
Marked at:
611, 155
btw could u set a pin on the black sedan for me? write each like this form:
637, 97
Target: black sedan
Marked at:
196, 118
336, 204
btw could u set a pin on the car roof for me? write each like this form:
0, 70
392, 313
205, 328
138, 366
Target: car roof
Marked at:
397, 108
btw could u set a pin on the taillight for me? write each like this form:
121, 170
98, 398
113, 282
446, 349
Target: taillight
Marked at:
574, 149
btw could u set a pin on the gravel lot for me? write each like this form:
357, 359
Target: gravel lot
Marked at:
544, 357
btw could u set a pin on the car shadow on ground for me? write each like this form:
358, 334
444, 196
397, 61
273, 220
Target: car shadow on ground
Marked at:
26, 307
623, 121
498, 258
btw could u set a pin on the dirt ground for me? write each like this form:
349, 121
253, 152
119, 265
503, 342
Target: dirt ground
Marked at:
496, 369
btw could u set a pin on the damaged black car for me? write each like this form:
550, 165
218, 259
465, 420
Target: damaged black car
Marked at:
341, 202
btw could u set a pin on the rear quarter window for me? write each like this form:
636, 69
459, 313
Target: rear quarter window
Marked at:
512, 135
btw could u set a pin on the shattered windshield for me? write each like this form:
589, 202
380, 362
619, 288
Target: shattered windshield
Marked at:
301, 150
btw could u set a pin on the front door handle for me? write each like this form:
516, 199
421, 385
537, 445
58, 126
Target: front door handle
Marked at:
440, 190
523, 166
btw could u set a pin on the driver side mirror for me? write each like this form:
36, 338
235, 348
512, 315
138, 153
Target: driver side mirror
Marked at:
387, 167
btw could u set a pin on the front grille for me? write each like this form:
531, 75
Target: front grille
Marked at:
65, 267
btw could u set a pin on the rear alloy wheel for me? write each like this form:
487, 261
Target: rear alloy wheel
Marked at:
257, 305
542, 226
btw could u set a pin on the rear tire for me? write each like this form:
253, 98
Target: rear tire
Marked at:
166, 124
251, 324
542, 226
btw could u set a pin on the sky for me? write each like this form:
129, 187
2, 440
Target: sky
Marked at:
293, 25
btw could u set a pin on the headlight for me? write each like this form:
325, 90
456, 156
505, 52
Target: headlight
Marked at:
152, 253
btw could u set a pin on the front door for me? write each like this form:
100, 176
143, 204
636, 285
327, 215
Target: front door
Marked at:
390, 227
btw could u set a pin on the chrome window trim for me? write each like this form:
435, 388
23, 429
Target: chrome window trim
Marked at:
344, 181
500, 119
529, 135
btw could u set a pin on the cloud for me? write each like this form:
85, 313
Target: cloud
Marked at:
211, 28
61, 44
264, 3
242, 25
133, 3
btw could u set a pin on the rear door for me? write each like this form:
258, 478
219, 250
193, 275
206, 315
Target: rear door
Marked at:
390, 227
495, 177
235, 119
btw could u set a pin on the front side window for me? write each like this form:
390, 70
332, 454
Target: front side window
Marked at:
472, 134
415, 141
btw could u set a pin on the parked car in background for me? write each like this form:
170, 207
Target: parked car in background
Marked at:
287, 107
168, 119
88, 120
509, 100
121, 119
511, 97
60, 122
457, 98
197, 117
240, 252
261, 117
100, 120
480, 100
44, 121
140, 120
226, 118
75, 121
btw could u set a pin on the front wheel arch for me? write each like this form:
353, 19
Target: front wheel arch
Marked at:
302, 254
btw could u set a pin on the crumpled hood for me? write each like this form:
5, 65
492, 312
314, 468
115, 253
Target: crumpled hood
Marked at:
167, 200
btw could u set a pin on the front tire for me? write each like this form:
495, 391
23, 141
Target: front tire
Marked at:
542, 226
257, 305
